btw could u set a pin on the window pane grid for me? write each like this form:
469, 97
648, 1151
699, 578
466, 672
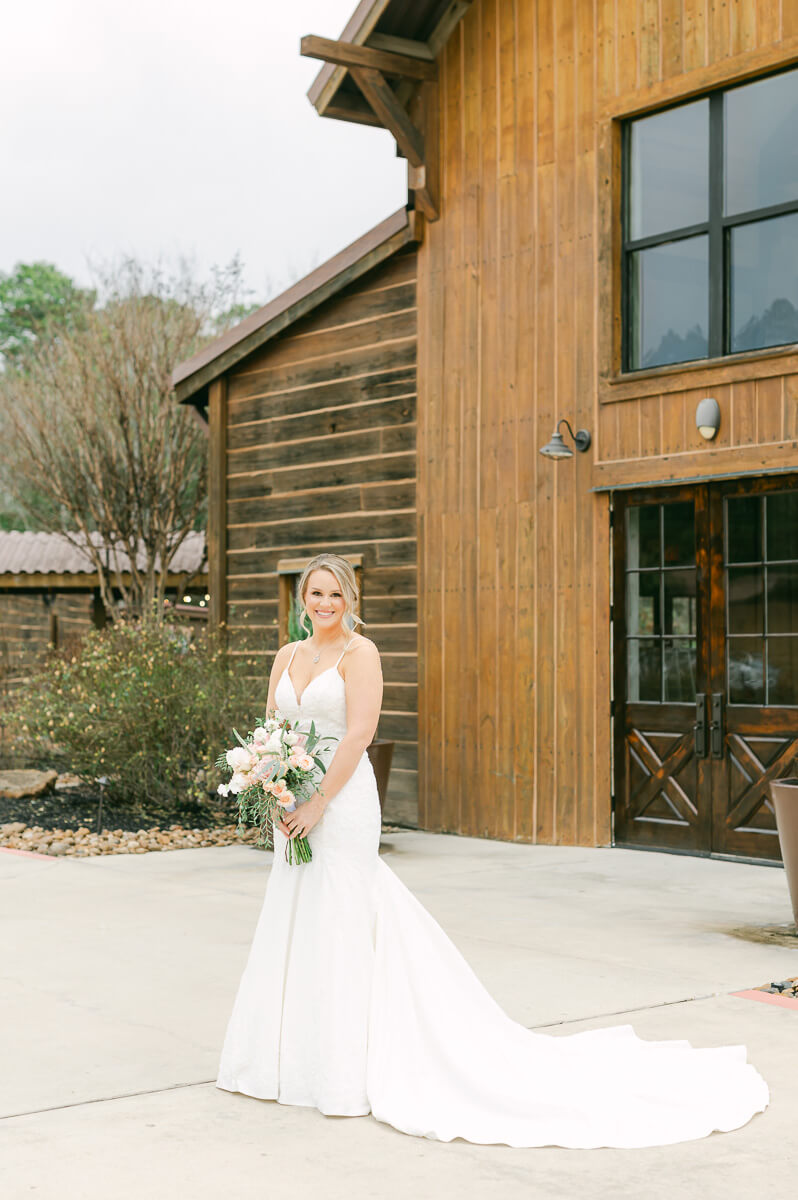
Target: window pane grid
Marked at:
661, 603
762, 663
680, 305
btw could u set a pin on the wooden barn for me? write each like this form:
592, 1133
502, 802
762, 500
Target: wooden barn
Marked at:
605, 205
311, 410
50, 595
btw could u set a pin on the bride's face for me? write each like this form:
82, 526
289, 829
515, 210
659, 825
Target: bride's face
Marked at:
324, 601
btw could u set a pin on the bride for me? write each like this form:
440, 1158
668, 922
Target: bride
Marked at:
353, 999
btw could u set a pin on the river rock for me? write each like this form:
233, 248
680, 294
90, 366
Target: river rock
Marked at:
16, 785
12, 827
67, 780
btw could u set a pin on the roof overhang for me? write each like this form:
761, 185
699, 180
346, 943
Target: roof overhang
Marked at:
192, 378
417, 30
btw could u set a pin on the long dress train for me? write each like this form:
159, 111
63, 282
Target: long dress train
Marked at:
354, 1000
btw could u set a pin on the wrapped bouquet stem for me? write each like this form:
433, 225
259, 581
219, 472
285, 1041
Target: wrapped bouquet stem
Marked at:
273, 769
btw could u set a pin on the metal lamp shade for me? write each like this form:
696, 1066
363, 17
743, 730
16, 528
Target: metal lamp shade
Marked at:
556, 447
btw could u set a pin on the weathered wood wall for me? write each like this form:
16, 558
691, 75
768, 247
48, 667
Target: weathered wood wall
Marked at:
26, 627
517, 291
320, 455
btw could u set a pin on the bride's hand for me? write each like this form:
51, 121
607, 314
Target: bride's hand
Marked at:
300, 822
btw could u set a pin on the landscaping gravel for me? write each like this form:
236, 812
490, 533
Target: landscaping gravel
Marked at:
83, 842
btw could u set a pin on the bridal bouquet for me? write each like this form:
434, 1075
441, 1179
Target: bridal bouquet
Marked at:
274, 768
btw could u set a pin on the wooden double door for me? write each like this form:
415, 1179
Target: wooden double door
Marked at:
705, 647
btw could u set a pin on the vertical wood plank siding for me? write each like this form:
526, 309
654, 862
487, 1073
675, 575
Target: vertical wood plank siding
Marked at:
320, 455
514, 554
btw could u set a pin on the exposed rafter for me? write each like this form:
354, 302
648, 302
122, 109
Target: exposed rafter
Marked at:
347, 54
412, 64
400, 45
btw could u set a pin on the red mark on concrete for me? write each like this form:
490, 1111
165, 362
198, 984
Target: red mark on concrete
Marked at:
768, 998
26, 853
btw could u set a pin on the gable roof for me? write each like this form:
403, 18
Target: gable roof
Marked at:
191, 378
415, 27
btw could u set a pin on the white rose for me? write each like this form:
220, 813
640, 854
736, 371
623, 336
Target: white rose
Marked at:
291, 738
274, 744
238, 782
238, 758
261, 734
271, 725
223, 789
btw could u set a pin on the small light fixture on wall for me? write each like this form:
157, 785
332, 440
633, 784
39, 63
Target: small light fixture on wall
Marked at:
707, 418
556, 447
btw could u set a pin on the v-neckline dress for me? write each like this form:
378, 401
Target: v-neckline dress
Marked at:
354, 1000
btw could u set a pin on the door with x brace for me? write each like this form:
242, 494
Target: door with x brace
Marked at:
705, 625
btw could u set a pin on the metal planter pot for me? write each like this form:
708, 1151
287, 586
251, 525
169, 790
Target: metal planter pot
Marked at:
784, 793
380, 753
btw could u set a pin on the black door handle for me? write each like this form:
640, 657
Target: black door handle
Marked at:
700, 727
716, 725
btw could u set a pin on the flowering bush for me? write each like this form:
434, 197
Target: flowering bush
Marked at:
143, 706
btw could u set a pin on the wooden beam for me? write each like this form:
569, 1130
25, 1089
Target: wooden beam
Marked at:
347, 54
351, 106
417, 183
290, 566
217, 502
400, 45
447, 25
381, 97
78, 581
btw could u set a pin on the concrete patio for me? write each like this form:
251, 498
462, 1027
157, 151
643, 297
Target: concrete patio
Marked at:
119, 974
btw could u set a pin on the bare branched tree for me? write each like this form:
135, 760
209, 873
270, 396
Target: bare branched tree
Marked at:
97, 449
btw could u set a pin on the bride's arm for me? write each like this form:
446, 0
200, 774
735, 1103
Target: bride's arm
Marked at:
363, 703
278, 666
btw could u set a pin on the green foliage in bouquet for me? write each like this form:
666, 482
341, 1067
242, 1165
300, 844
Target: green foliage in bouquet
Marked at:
144, 706
266, 777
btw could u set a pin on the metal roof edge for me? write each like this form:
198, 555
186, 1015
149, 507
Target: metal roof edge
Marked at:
384, 240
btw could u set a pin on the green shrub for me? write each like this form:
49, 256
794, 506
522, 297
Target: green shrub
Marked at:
148, 707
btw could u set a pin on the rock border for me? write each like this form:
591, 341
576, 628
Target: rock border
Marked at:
83, 843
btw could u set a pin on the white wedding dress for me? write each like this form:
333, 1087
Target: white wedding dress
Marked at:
354, 1000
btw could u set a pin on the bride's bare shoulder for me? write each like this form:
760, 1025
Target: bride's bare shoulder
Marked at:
363, 647
283, 654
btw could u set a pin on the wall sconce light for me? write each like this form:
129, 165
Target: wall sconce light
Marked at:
556, 447
707, 418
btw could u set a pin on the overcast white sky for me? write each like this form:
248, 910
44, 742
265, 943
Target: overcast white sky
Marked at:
181, 127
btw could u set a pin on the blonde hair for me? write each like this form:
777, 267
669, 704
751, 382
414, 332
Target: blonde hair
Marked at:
344, 572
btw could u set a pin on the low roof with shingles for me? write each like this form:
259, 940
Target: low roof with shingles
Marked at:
26, 553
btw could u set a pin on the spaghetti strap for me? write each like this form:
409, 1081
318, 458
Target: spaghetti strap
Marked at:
293, 652
343, 652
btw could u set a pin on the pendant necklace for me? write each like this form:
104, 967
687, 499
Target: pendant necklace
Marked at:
316, 657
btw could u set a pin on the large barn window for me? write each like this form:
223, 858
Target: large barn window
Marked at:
710, 219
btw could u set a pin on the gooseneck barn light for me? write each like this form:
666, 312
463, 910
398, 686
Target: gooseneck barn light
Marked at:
556, 447
707, 418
